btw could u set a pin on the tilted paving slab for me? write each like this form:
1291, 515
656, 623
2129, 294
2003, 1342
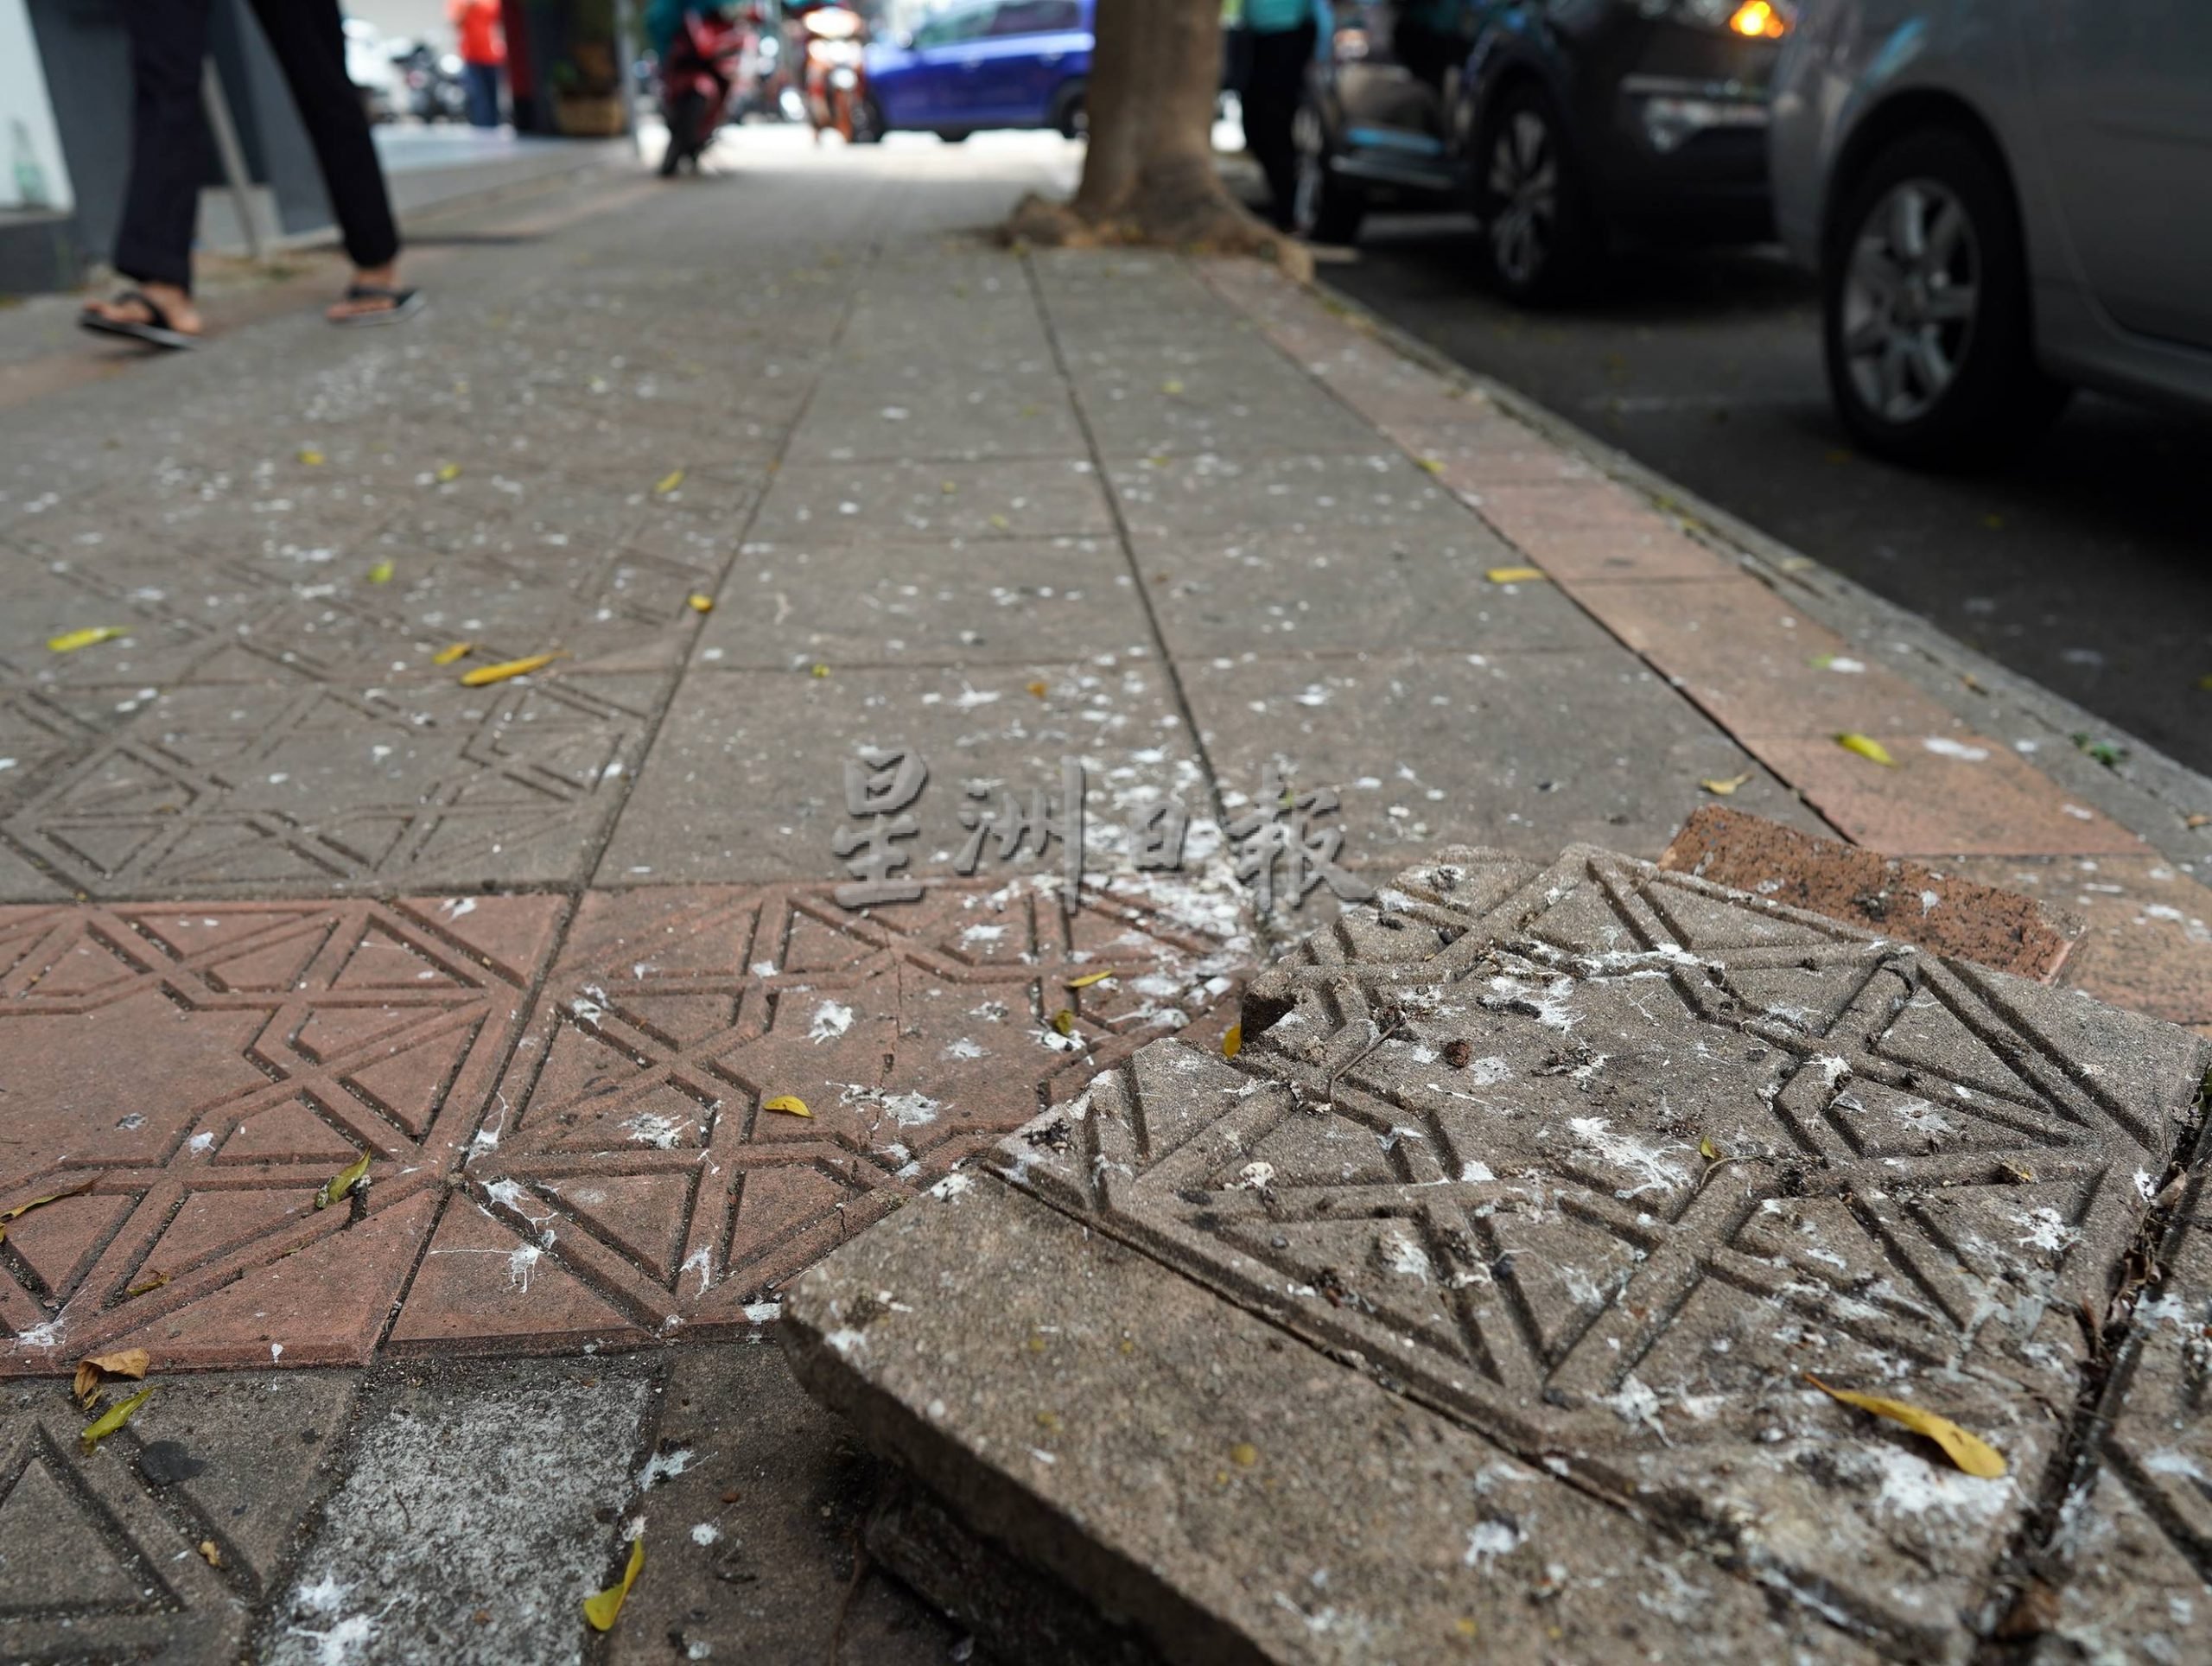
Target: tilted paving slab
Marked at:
1588, 1166
2126, 1573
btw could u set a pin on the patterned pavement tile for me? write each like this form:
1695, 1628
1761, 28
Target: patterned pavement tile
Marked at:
632, 1178
204, 1068
1609, 1165
217, 789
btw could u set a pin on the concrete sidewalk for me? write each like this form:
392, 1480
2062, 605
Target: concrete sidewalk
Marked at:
783, 466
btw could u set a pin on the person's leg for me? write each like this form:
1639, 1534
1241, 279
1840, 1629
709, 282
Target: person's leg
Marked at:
1277, 78
309, 41
161, 206
483, 84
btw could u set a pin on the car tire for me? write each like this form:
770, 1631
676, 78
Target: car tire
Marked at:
1926, 319
868, 125
1325, 207
1071, 117
955, 135
1541, 236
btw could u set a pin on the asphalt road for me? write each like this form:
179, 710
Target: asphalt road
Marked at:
2085, 565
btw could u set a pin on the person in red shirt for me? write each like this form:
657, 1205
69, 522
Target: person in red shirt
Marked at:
483, 51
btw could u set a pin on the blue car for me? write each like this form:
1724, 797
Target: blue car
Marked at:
986, 63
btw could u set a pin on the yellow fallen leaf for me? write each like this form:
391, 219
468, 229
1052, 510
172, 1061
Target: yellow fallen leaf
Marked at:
818, 670
2205, 683
1969, 1451
1064, 1021
1171, 386
128, 1362
450, 652
699, 604
601, 1611
1515, 576
1036, 689
484, 675
111, 1420
1725, 785
1000, 522
1090, 978
151, 1281
1243, 1454
22, 1209
669, 482
211, 1552
312, 459
1706, 1149
381, 573
1867, 746
789, 1104
2198, 819
948, 487
448, 473
70, 641
1430, 464
1233, 1043
336, 1187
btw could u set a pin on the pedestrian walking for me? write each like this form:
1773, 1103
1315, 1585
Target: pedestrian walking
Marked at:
161, 207
483, 56
1281, 35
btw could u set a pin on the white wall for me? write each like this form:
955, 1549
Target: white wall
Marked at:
28, 143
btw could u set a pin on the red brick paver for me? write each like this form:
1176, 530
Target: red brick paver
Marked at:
206, 1068
1942, 911
2149, 941
632, 1179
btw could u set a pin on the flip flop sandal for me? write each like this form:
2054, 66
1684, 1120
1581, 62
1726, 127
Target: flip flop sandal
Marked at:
405, 303
156, 332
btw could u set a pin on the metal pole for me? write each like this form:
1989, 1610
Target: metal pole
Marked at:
226, 147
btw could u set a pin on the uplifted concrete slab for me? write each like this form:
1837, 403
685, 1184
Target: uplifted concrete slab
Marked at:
1476, 1302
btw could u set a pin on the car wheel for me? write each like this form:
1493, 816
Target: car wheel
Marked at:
1925, 314
1324, 206
1540, 234
868, 125
1070, 116
955, 135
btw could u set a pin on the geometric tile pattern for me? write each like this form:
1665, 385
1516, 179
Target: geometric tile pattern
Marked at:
109, 1539
629, 1179
1603, 1161
205, 1069
225, 787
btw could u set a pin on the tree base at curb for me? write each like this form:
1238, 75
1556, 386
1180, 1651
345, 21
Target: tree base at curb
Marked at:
1211, 227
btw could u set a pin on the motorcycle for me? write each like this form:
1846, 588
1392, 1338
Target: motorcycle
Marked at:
697, 74
835, 43
431, 83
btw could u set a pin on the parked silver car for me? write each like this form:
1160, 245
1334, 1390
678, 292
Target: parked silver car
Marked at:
2004, 200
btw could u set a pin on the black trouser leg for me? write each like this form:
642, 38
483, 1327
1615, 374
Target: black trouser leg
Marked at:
308, 39
1271, 95
169, 148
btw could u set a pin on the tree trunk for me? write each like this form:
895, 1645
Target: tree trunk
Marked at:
1148, 172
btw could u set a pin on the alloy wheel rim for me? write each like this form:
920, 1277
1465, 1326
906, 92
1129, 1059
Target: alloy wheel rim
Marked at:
1911, 297
1523, 182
